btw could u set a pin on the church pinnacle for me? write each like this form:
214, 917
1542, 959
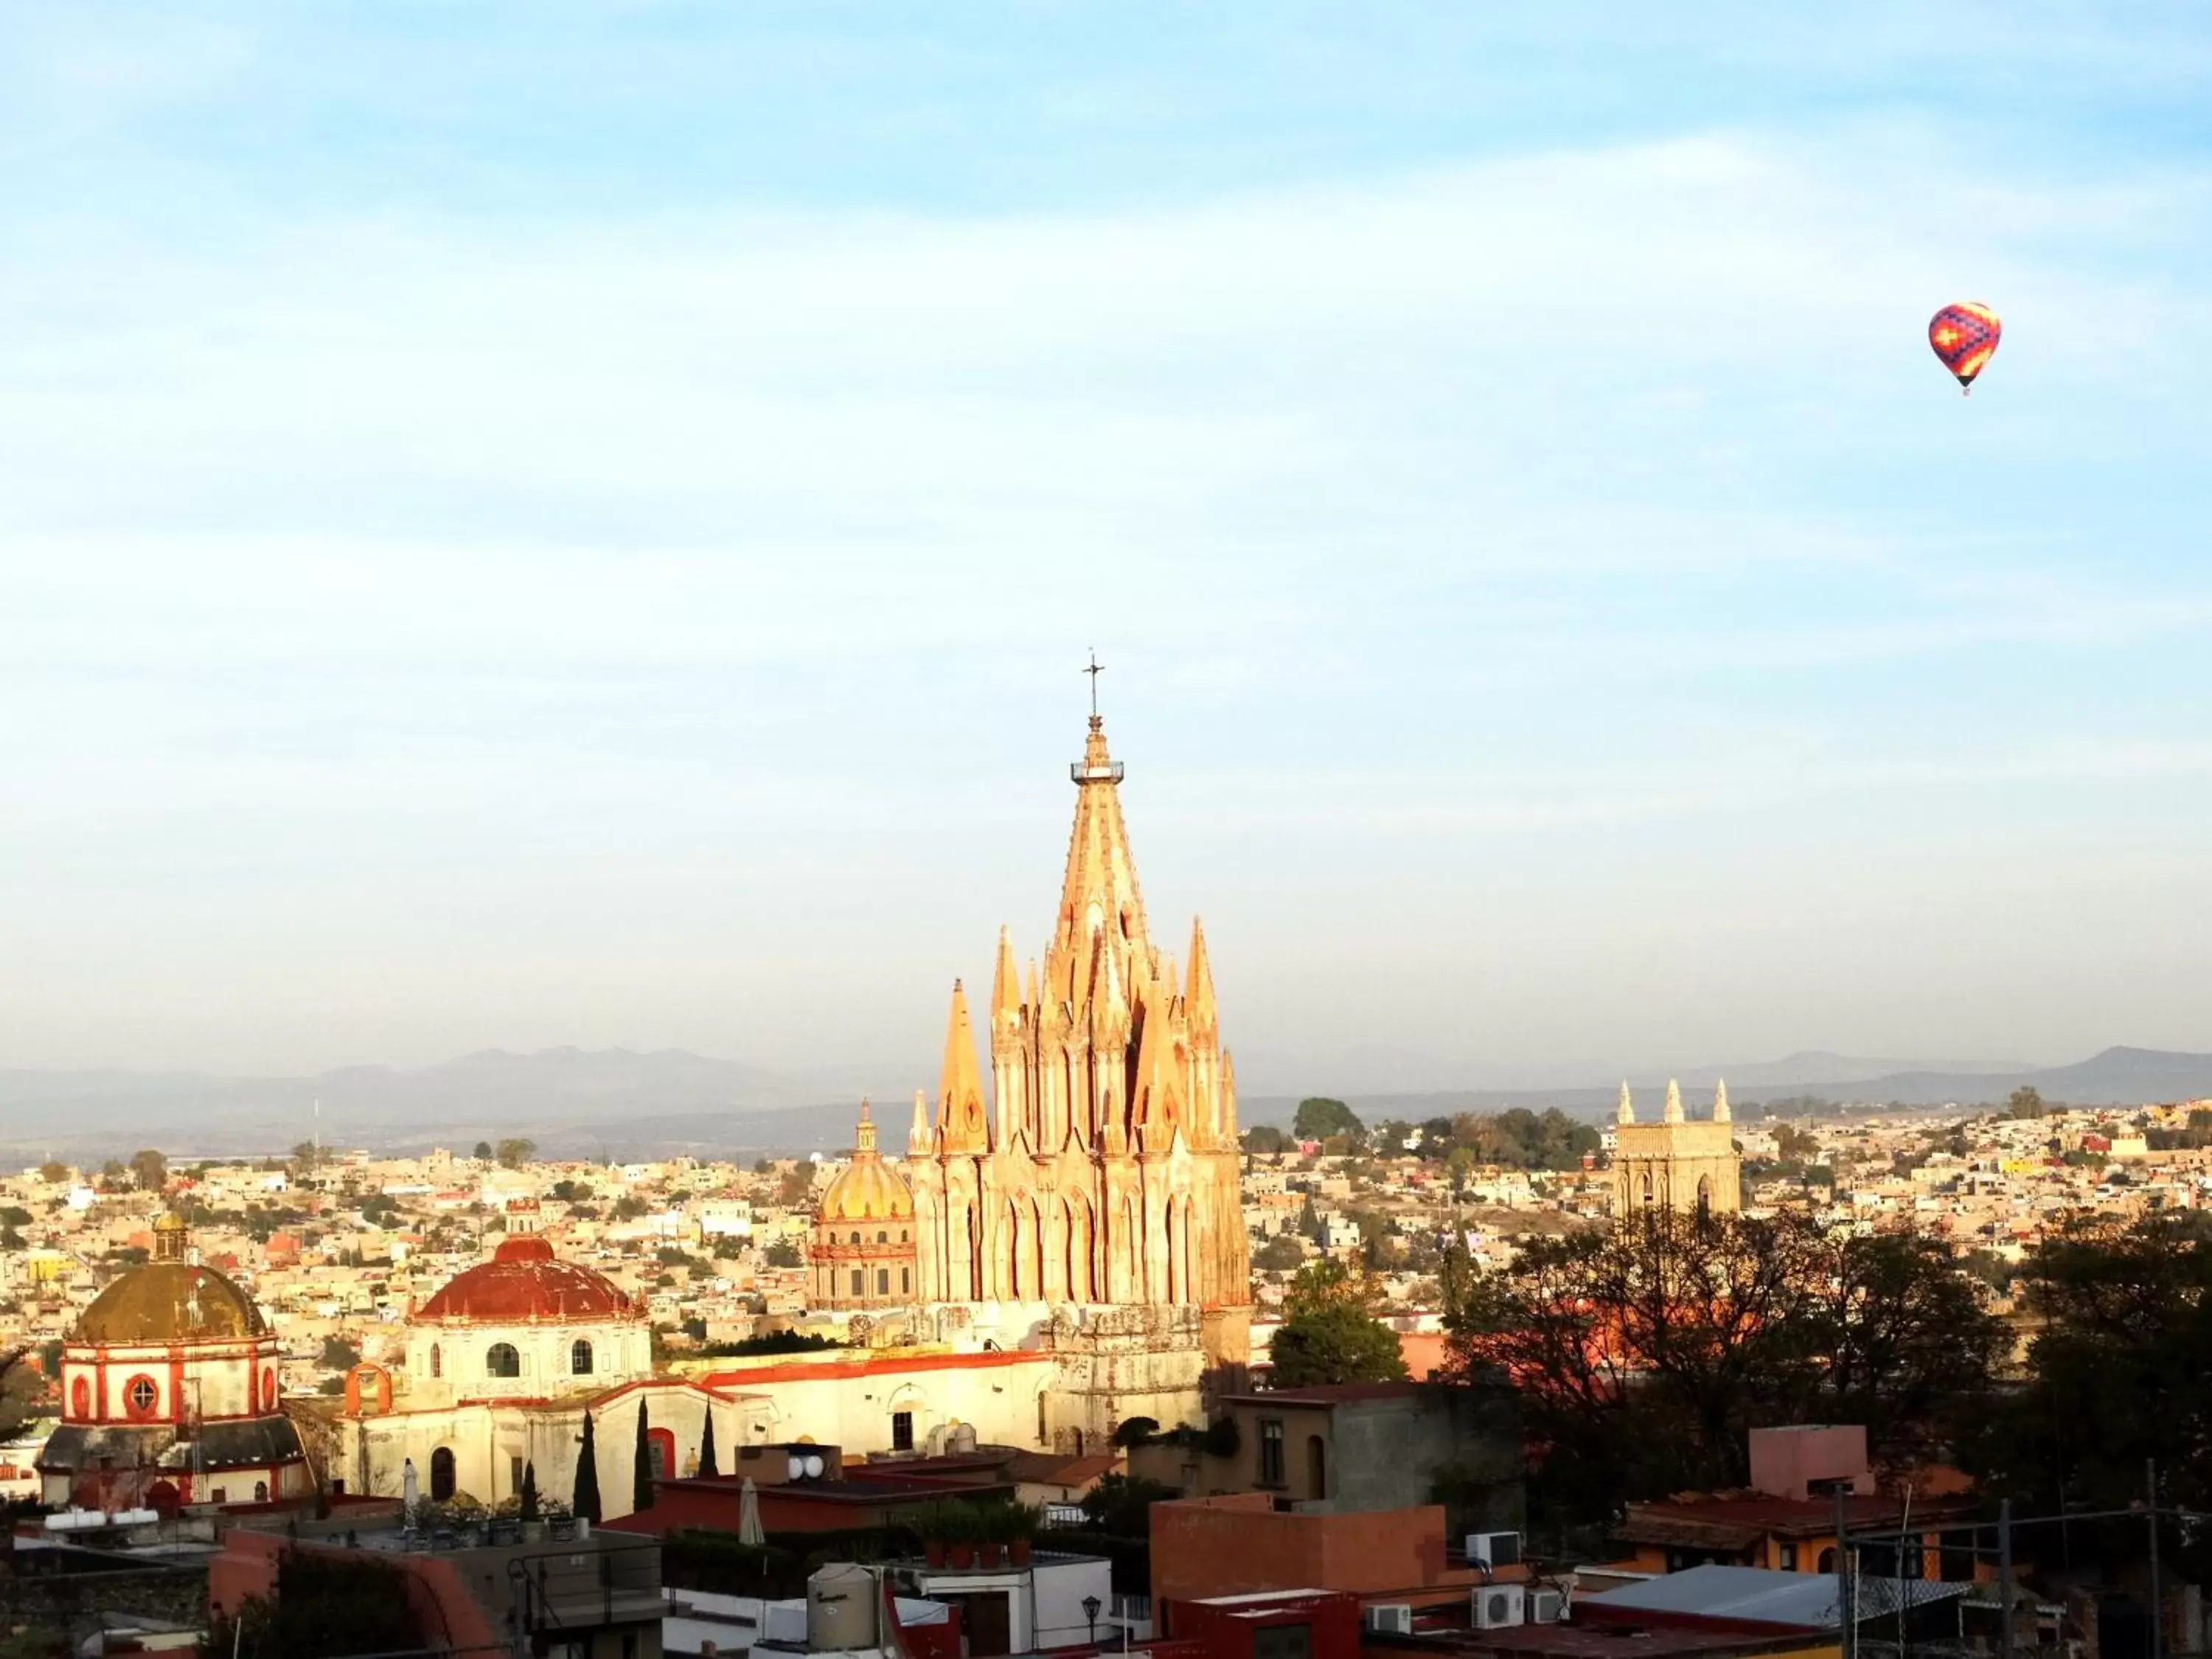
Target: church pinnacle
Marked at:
1625, 1112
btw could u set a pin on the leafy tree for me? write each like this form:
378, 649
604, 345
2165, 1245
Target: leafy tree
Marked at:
2025, 1102
629, 1208
1796, 1145
1644, 1353
1278, 1254
340, 1355
1329, 1332
584, 1501
529, 1491
1319, 1117
114, 1171
1390, 1137
1265, 1140
2119, 1373
150, 1169
763, 1166
14, 1215
785, 1253
516, 1150
1311, 1225
795, 1188
708, 1462
483, 1152
1122, 1505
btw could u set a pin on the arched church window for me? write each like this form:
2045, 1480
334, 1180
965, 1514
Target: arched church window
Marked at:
579, 1358
1647, 1186
859, 1278
442, 1475
882, 1236
906, 1280
502, 1359
142, 1396
856, 1238
437, 1361
1704, 1194
261, 1492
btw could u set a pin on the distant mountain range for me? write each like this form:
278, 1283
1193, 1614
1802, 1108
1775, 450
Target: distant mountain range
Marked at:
577, 1103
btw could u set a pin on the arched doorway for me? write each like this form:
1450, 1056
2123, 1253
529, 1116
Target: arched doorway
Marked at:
442, 1475
1704, 1194
1316, 1466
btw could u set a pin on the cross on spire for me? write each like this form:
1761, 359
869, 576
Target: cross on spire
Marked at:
1096, 669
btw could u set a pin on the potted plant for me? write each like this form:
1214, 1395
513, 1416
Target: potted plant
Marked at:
930, 1525
990, 1533
959, 1532
1023, 1520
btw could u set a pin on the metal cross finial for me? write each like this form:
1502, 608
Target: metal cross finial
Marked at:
1096, 669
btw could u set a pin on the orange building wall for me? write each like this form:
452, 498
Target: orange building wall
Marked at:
1231, 1545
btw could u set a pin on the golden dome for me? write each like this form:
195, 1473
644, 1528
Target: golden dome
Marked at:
169, 1302
867, 1188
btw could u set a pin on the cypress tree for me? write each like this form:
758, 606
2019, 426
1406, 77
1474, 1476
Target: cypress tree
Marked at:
707, 1465
642, 1468
586, 1504
530, 1491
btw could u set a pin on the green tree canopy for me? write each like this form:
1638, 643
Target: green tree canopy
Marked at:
1318, 1118
1644, 1353
1265, 1138
2025, 1102
1329, 1332
516, 1150
150, 1170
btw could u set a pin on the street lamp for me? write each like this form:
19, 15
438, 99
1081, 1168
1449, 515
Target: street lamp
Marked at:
1090, 1606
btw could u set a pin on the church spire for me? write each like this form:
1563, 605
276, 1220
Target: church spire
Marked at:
863, 1132
1719, 1101
920, 1142
1205, 1018
960, 1089
1673, 1101
1625, 1112
1098, 896
1005, 985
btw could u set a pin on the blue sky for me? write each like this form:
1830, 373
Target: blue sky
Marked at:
574, 523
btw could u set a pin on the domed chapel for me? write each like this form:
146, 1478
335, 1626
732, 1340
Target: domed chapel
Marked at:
170, 1394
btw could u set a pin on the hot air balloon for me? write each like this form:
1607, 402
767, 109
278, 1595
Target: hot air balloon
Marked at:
1964, 335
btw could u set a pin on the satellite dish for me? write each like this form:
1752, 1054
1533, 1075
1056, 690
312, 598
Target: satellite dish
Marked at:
798, 1470
814, 1465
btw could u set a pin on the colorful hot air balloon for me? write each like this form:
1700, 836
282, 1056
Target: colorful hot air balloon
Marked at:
1964, 335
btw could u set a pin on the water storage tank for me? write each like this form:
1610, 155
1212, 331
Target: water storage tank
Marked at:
841, 1608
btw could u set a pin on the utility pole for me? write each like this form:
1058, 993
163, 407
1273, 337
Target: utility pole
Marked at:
2150, 1481
1846, 1602
2004, 1578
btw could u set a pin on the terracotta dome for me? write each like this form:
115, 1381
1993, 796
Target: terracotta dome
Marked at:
866, 1189
524, 1281
169, 1302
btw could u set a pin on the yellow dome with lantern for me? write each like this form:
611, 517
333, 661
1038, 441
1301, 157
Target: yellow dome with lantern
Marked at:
169, 1299
867, 1188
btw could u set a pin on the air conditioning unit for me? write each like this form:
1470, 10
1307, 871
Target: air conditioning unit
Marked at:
1499, 1606
1493, 1549
1546, 1607
1394, 1618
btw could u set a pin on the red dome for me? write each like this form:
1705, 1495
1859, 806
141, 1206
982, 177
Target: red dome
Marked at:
523, 1281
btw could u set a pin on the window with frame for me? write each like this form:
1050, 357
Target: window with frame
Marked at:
142, 1395
1271, 1451
502, 1359
1788, 1557
437, 1361
1282, 1641
579, 1358
902, 1430
860, 1282
883, 1281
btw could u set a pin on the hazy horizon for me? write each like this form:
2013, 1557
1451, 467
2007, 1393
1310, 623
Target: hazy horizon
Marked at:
582, 528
